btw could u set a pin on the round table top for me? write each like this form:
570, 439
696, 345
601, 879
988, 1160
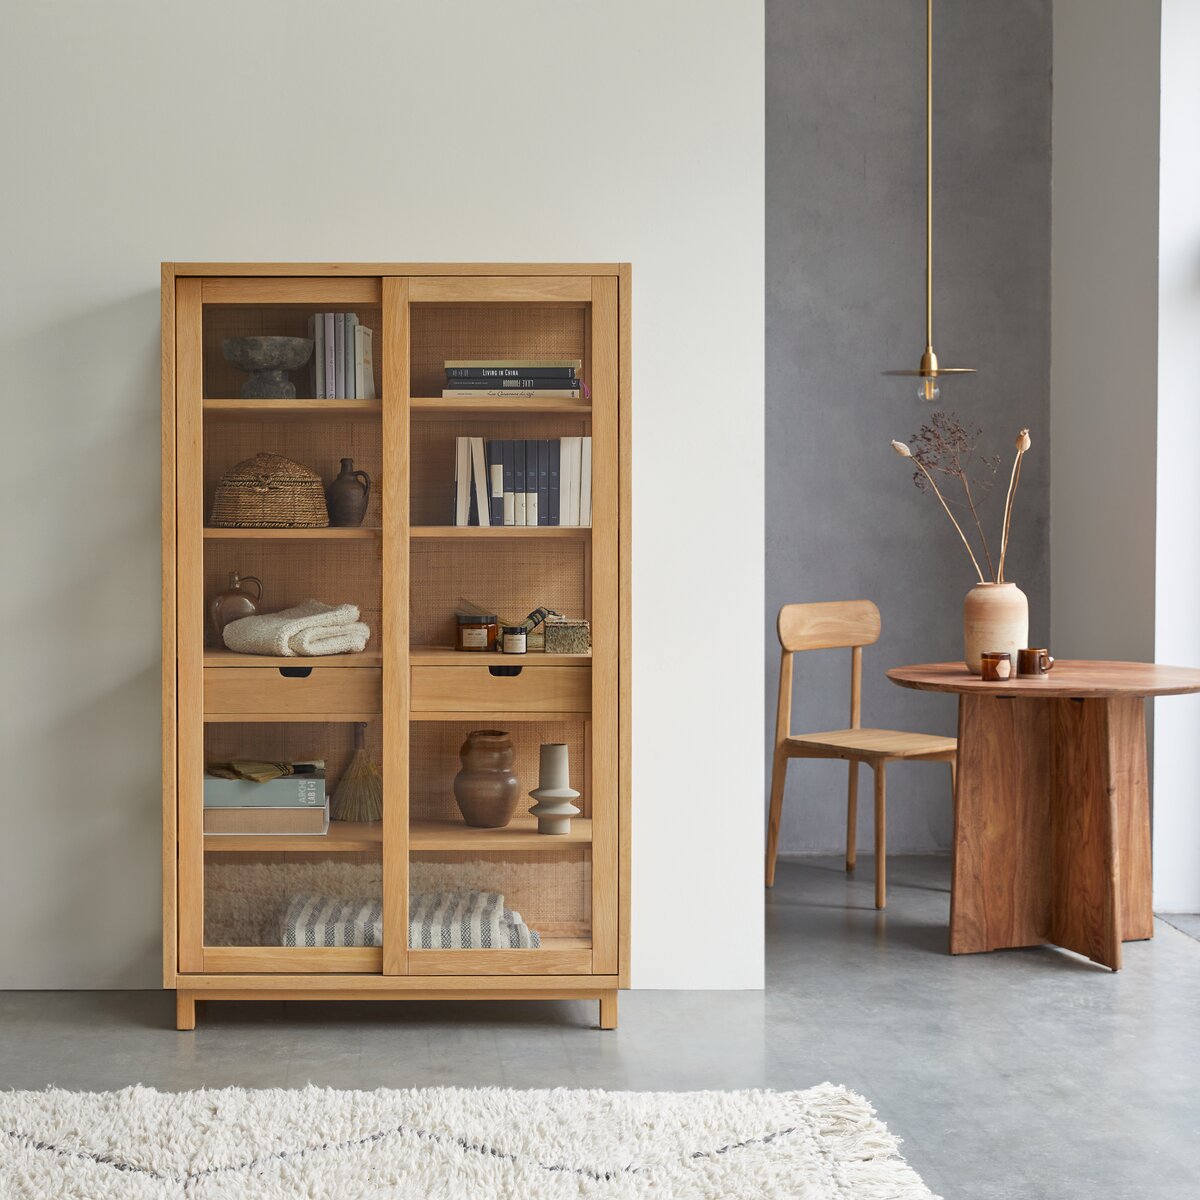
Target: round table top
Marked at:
1069, 678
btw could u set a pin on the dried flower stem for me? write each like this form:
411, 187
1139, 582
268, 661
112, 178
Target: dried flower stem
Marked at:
938, 494
1008, 507
975, 517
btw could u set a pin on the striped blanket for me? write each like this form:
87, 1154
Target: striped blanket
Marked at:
436, 921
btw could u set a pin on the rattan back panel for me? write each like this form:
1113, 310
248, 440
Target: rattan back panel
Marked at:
551, 889
433, 454
433, 762
525, 331
223, 381
316, 444
292, 741
510, 578
312, 569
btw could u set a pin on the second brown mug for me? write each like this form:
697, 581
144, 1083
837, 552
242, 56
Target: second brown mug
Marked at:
1034, 661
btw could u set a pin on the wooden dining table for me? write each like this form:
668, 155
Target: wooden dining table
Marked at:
1052, 804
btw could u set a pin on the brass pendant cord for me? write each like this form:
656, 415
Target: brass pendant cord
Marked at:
928, 174
929, 370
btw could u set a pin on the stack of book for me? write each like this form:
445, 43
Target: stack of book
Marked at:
516, 378
530, 481
343, 357
293, 804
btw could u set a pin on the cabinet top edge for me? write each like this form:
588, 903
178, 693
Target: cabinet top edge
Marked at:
358, 270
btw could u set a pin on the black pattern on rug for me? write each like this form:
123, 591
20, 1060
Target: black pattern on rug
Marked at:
399, 1131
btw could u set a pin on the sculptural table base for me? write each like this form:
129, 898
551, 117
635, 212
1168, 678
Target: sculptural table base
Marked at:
1051, 825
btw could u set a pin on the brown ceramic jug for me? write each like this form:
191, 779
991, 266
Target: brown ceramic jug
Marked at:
487, 788
347, 495
234, 603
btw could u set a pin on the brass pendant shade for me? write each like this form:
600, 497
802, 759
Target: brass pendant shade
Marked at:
929, 371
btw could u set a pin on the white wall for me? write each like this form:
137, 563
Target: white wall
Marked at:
1177, 720
1103, 302
137, 132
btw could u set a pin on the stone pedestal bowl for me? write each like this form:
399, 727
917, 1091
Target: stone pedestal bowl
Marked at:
268, 359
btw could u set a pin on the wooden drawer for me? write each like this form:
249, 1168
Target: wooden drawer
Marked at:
476, 689
323, 692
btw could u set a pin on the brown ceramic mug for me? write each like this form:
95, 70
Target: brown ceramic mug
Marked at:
1034, 661
996, 666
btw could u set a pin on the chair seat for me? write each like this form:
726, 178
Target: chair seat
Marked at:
870, 745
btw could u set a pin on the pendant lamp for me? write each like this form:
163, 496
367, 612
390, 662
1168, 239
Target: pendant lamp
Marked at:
929, 372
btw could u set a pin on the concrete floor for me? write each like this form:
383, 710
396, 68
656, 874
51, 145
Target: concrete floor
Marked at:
1023, 1074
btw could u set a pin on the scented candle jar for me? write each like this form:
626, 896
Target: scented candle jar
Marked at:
477, 632
514, 639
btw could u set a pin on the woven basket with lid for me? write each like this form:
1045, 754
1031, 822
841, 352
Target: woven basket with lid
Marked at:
269, 491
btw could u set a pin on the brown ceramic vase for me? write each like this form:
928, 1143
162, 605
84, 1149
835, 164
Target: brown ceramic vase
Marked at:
347, 496
236, 602
487, 788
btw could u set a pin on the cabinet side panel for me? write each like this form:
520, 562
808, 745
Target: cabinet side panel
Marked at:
395, 624
605, 616
169, 765
189, 524
625, 694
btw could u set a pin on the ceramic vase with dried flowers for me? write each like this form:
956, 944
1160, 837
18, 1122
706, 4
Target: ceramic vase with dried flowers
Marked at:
996, 611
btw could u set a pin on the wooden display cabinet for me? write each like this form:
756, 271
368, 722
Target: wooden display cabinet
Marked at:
405, 568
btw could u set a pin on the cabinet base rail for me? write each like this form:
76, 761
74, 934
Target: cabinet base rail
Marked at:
186, 997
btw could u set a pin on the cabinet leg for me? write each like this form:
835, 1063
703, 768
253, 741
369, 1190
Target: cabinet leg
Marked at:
608, 1010
185, 1010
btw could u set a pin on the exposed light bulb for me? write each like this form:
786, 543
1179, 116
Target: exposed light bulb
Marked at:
928, 390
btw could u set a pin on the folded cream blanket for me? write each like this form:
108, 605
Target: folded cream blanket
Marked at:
311, 628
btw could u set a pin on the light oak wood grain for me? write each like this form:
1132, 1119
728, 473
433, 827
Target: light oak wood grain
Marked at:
170, 928
500, 289
319, 290
829, 625
476, 689
189, 650
252, 690
625, 613
351, 270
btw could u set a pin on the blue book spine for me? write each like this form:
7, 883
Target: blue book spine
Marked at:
543, 453
554, 454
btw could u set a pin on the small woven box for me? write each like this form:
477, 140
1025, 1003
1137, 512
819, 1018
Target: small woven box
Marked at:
568, 635
269, 491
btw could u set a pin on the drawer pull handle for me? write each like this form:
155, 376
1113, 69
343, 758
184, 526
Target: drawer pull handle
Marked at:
295, 672
504, 672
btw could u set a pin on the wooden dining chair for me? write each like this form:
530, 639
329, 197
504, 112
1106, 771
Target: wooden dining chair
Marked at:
842, 624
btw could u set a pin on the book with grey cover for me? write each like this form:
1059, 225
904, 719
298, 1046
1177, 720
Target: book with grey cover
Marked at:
292, 791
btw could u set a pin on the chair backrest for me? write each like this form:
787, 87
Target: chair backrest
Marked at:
831, 625
828, 626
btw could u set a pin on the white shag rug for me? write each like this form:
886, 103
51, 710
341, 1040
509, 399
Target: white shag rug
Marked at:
448, 1144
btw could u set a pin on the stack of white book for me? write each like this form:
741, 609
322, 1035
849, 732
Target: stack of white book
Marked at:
343, 357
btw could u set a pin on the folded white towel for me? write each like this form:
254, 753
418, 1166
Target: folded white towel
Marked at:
311, 628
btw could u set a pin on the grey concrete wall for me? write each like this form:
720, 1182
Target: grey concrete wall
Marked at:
844, 245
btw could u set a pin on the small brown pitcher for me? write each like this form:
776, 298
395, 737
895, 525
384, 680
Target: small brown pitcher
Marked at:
234, 603
347, 496
1034, 661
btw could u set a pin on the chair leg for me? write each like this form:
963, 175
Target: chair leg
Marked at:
852, 817
778, 779
880, 835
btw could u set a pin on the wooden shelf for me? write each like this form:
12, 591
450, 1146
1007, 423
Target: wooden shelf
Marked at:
228, 658
355, 836
437, 406
519, 834
291, 535
294, 408
454, 532
447, 656
343, 836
